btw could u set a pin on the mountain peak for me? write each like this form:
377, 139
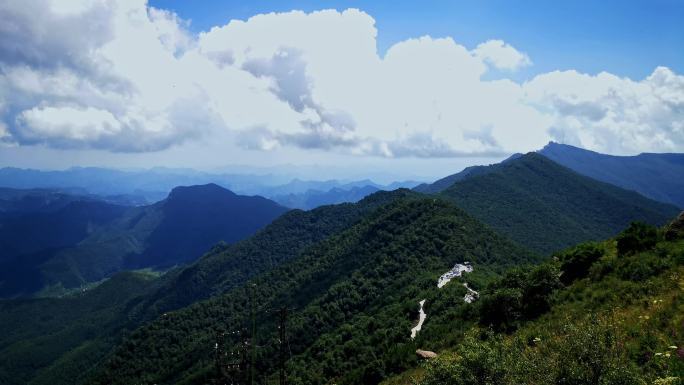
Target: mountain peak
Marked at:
562, 148
513, 157
205, 191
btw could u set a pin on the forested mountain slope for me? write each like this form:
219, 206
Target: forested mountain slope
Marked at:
176, 230
356, 295
353, 275
547, 207
30, 227
222, 269
657, 176
38, 333
227, 267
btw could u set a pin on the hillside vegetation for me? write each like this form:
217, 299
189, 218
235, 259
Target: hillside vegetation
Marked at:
222, 269
356, 296
547, 207
657, 176
598, 313
39, 333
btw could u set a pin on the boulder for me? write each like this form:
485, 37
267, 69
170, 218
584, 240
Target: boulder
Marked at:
426, 354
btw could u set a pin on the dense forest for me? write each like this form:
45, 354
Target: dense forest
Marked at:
78, 330
222, 269
547, 207
357, 294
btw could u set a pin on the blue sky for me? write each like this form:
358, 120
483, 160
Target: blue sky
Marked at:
628, 38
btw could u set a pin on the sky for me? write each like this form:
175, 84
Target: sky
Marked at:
413, 90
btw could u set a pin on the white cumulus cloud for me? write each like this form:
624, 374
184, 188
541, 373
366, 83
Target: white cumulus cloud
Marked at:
121, 76
613, 114
84, 124
501, 55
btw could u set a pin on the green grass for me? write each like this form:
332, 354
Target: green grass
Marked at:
622, 323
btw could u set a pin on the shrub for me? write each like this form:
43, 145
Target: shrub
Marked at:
539, 285
637, 237
585, 352
518, 295
501, 309
477, 362
576, 262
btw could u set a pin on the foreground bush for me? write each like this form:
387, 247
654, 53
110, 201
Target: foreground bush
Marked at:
587, 352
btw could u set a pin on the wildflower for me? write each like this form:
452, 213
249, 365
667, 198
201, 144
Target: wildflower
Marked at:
666, 381
536, 339
667, 354
672, 347
659, 354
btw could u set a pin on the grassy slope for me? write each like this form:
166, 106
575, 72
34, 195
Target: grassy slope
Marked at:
621, 324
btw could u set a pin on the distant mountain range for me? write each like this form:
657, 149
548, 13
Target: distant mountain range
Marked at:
51, 226
657, 176
87, 240
307, 195
148, 186
15, 201
315, 198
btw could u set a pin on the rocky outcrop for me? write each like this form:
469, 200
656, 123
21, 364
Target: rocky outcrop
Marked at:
675, 230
